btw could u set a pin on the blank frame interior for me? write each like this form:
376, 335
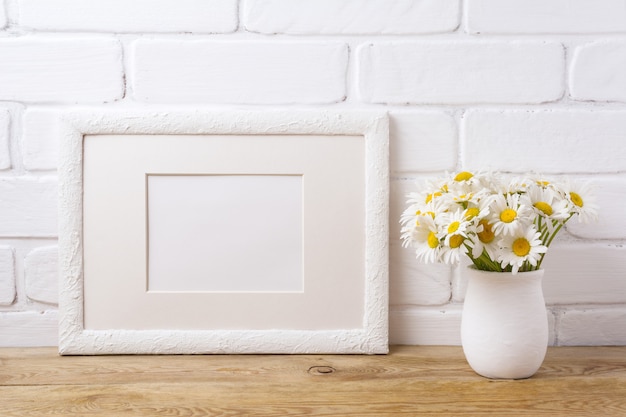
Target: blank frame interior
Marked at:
118, 246
224, 233
254, 239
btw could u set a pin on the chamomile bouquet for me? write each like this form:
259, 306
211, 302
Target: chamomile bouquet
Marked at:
502, 223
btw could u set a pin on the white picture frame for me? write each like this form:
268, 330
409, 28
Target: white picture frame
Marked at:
105, 227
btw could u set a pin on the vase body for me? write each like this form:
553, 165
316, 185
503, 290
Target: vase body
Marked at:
504, 327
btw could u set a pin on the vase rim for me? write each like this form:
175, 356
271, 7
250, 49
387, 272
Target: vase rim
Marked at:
473, 267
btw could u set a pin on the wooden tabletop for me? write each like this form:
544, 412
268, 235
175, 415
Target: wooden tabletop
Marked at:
410, 381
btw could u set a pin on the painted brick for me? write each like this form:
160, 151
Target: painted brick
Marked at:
422, 141
41, 69
351, 16
3, 16
239, 72
461, 72
547, 141
214, 16
5, 156
29, 207
40, 138
610, 195
598, 326
398, 192
7, 276
29, 328
597, 72
459, 280
585, 273
425, 326
540, 16
413, 283
574, 273
440, 326
41, 274
583, 287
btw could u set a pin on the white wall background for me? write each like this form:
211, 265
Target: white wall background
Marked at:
513, 85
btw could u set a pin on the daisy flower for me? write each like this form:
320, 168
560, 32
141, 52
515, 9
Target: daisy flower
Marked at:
477, 208
508, 215
465, 177
423, 236
581, 200
545, 183
500, 222
509, 185
522, 247
451, 254
431, 190
411, 215
517, 185
453, 233
547, 204
483, 241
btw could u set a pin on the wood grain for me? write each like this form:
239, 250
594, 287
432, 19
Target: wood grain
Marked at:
409, 381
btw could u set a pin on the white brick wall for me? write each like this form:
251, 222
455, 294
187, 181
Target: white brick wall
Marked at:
377, 17
29, 206
28, 328
541, 16
461, 72
612, 224
587, 274
566, 140
3, 16
597, 71
411, 132
5, 157
40, 139
513, 85
416, 284
68, 70
594, 321
436, 326
40, 273
7, 276
198, 16
189, 71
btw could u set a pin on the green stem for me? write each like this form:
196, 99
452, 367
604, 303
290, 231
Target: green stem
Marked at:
549, 242
544, 230
491, 264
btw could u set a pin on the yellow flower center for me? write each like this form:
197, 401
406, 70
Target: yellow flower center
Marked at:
433, 242
543, 184
430, 197
456, 241
454, 226
464, 197
508, 215
471, 213
544, 207
487, 235
463, 176
521, 247
576, 199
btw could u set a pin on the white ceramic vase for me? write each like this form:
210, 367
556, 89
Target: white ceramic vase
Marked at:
504, 328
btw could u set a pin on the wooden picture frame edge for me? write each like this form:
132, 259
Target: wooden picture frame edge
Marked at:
371, 339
